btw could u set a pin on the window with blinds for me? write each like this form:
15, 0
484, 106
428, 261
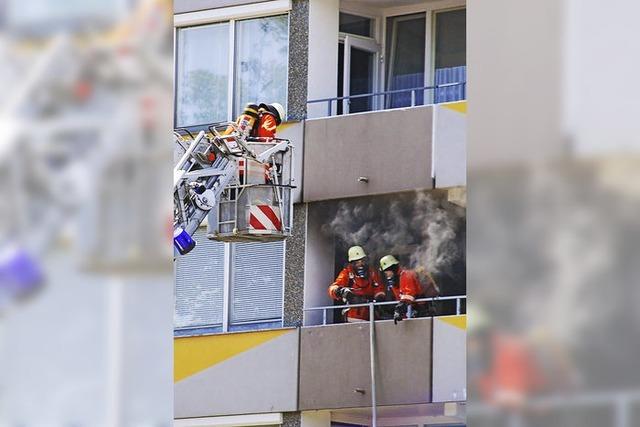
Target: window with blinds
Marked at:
199, 290
257, 284
255, 289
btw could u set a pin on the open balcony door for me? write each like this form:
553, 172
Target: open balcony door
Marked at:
357, 73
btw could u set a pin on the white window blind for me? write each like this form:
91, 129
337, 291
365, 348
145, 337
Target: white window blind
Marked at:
256, 290
199, 290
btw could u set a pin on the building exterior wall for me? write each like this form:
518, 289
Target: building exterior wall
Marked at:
335, 364
239, 373
323, 53
391, 148
294, 268
298, 59
450, 359
450, 144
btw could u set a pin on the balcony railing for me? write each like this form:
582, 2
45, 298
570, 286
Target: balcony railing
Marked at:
346, 100
458, 299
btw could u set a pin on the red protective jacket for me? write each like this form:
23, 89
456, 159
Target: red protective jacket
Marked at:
266, 125
368, 287
409, 288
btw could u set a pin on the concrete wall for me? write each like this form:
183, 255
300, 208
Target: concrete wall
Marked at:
323, 54
319, 264
236, 373
450, 359
334, 362
450, 144
392, 148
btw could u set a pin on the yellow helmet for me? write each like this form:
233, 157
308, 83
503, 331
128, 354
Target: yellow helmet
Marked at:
355, 253
388, 261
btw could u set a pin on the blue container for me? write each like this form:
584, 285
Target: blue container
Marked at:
182, 241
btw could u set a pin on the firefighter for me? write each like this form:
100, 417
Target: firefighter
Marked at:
357, 283
402, 285
269, 118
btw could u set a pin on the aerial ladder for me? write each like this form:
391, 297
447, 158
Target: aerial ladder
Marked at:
242, 185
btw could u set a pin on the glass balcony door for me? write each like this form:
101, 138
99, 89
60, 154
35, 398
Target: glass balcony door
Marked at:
357, 73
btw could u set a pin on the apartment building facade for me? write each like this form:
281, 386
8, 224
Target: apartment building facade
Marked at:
374, 92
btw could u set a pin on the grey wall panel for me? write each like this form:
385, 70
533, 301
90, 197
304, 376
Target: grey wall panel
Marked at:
392, 148
334, 362
404, 362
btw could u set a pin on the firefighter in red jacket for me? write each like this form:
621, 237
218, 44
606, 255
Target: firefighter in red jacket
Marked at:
357, 283
269, 118
403, 284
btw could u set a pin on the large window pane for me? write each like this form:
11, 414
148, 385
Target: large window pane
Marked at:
360, 79
405, 66
203, 75
451, 45
199, 287
451, 54
256, 291
262, 47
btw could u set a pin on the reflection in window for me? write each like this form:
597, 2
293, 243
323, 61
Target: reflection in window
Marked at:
203, 75
261, 61
358, 25
450, 54
405, 53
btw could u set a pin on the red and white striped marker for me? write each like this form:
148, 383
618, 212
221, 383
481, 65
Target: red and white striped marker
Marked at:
264, 217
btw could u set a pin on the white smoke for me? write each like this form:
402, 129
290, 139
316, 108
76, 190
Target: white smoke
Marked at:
422, 227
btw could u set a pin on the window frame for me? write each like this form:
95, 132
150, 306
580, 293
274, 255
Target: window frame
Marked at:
369, 44
429, 58
231, 87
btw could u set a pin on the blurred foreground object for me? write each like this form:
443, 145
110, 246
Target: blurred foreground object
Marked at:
554, 193
85, 113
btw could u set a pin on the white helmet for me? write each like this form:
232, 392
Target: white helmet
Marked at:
277, 110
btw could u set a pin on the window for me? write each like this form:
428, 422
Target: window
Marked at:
228, 287
406, 58
202, 83
215, 81
357, 60
358, 25
261, 61
450, 54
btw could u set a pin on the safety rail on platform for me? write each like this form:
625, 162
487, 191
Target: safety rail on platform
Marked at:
371, 305
346, 100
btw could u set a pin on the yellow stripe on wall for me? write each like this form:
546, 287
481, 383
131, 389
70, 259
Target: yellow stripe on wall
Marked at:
194, 354
457, 321
460, 107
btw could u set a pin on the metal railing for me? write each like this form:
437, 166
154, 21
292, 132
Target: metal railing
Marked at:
371, 305
347, 99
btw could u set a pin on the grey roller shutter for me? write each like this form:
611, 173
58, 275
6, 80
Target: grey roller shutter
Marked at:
258, 278
200, 284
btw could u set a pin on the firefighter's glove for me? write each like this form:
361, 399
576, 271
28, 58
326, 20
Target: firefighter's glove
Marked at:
346, 294
397, 317
399, 312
